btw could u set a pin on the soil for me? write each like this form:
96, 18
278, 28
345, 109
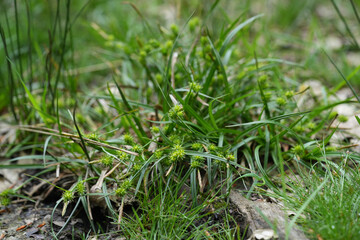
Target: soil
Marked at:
24, 221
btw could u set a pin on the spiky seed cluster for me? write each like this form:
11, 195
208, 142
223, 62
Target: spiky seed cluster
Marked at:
68, 196
142, 56
196, 146
155, 130
263, 80
333, 114
177, 154
203, 40
196, 161
330, 149
165, 48
193, 23
80, 188
267, 96
120, 192
174, 29
137, 148
289, 94
4, 197
159, 78
128, 139
7, 192
230, 157
158, 154
281, 101
212, 148
220, 77
107, 161
195, 87
123, 189
123, 156
92, 136
343, 118
5, 201
311, 125
299, 129
136, 167
148, 48
176, 112
221, 164
298, 150
154, 43
175, 139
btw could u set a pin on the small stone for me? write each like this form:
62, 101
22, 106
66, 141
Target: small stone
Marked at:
264, 234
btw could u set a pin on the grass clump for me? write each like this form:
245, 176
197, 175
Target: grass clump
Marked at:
173, 116
333, 212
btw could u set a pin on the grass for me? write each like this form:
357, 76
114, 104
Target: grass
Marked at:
170, 115
332, 212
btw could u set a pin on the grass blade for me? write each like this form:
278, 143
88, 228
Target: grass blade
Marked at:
235, 31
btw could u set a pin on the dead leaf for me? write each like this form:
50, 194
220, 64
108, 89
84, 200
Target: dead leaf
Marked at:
41, 225
59, 223
319, 237
31, 232
2, 236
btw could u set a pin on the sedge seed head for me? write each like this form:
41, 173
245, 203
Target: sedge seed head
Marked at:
175, 139
230, 157
311, 125
193, 23
155, 130
299, 129
123, 189
159, 78
262, 79
137, 148
5, 201
281, 101
136, 167
174, 29
195, 87
267, 96
120, 192
123, 156
154, 43
176, 112
142, 54
148, 48
126, 184
196, 146
107, 161
128, 139
333, 114
68, 196
80, 188
289, 94
203, 40
7, 192
198, 158
330, 149
298, 150
177, 154
92, 136
165, 48
212, 148
195, 164
158, 154
343, 118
